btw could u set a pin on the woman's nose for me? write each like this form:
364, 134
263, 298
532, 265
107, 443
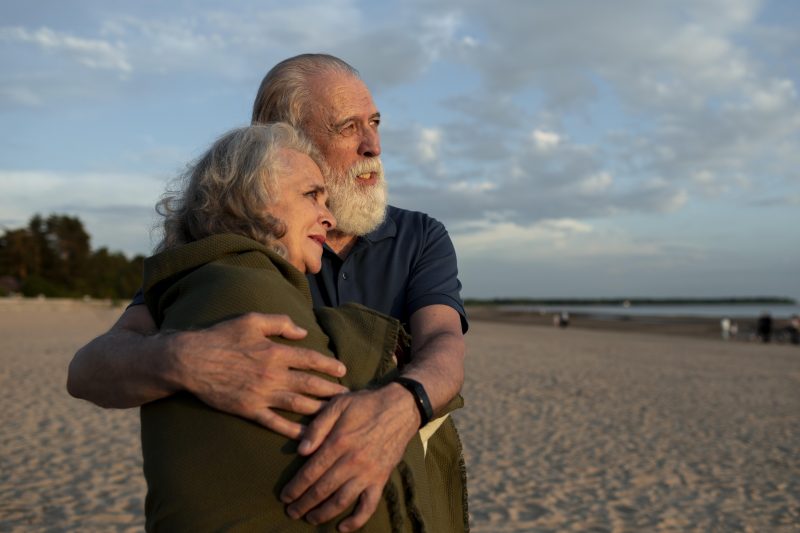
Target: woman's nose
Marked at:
328, 220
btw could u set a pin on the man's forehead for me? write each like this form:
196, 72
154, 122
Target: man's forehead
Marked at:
343, 96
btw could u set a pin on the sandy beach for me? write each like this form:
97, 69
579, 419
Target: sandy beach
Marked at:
564, 430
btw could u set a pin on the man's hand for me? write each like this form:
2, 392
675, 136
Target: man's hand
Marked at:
356, 441
232, 366
235, 368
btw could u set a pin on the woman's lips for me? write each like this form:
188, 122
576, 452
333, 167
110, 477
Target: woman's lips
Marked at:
320, 239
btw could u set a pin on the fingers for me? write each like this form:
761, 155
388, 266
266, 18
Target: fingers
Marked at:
310, 474
274, 325
319, 429
296, 403
337, 503
320, 491
366, 507
271, 420
304, 359
310, 385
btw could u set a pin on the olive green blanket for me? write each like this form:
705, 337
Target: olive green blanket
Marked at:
210, 471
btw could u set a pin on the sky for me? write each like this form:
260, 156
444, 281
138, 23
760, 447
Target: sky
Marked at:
573, 148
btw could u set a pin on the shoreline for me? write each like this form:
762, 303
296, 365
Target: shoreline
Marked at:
672, 326
681, 326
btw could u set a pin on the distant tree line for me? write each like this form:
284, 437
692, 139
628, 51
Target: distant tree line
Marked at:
52, 257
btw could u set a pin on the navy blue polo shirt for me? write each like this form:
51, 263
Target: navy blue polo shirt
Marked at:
405, 264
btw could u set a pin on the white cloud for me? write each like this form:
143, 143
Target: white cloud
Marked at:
473, 188
524, 241
596, 183
545, 140
92, 53
469, 41
709, 183
775, 95
428, 145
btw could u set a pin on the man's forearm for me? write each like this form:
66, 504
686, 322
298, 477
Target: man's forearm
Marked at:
437, 354
232, 366
124, 367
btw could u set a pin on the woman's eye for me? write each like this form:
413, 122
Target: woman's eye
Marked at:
312, 194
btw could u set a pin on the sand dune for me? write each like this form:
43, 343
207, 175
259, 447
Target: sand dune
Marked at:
564, 430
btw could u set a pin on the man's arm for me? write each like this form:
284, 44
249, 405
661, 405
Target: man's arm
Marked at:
358, 438
231, 366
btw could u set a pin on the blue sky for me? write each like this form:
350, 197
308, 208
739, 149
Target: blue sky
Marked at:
572, 148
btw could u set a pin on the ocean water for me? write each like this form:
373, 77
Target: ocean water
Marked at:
777, 311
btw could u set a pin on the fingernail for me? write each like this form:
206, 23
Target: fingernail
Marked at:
292, 512
300, 330
303, 447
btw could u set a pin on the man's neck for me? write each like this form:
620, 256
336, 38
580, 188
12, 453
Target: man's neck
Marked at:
341, 243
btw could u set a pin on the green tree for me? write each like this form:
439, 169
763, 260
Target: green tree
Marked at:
18, 254
53, 257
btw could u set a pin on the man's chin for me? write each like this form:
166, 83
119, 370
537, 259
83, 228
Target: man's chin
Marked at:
359, 209
359, 223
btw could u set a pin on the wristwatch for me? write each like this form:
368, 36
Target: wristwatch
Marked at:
420, 398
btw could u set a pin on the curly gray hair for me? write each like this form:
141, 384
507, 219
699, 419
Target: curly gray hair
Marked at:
230, 188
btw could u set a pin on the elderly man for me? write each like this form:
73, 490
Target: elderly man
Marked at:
399, 262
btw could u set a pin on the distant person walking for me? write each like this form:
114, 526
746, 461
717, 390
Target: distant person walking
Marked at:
794, 329
764, 328
725, 325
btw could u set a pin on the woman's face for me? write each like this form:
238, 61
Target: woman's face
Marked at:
301, 206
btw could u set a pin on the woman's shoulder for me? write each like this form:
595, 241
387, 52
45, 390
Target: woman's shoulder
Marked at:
219, 277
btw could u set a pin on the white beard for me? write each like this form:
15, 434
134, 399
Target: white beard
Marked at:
358, 209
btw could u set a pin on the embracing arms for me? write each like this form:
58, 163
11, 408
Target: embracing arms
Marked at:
231, 366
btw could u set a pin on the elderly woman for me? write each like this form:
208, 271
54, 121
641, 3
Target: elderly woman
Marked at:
240, 236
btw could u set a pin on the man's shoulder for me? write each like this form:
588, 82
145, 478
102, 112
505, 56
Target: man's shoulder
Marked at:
406, 217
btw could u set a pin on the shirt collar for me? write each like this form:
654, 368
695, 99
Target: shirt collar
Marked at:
386, 230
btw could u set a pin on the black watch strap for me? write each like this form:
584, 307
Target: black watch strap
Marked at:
420, 398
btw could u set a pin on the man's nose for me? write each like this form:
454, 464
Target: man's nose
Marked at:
370, 145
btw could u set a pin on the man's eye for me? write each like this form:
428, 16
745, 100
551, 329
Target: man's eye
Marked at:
348, 129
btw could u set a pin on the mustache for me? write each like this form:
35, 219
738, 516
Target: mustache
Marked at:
372, 164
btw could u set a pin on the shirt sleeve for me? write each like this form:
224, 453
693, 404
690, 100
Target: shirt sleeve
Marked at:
434, 276
138, 298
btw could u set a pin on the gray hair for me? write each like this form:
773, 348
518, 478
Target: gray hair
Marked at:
230, 188
284, 94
